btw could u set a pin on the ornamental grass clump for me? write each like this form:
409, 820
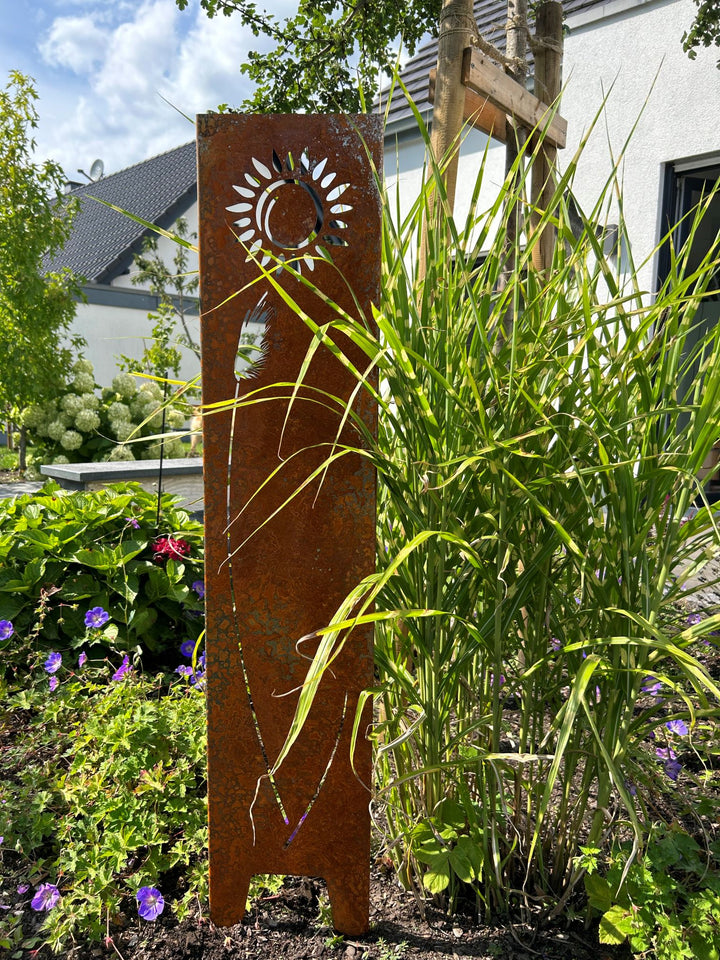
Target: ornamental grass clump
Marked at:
123, 423
540, 439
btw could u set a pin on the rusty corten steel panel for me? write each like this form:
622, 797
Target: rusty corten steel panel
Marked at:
293, 186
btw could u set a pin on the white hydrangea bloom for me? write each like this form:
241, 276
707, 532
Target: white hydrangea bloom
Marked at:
83, 382
90, 401
82, 366
71, 403
33, 416
87, 421
124, 384
118, 411
56, 429
152, 415
176, 418
122, 429
175, 448
71, 440
121, 453
152, 390
60, 458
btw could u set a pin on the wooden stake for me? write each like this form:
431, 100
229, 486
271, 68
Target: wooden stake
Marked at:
548, 80
457, 30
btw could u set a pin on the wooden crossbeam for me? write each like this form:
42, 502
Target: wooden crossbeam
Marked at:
478, 111
489, 83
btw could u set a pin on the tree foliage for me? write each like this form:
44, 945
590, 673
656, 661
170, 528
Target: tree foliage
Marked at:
36, 308
329, 56
705, 29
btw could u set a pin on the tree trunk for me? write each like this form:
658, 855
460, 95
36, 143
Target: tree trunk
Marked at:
548, 82
456, 32
516, 51
516, 32
22, 450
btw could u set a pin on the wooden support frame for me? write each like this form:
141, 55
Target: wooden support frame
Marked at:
478, 111
490, 94
485, 79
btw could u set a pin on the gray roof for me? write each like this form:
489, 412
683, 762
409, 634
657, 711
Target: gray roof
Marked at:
491, 17
103, 241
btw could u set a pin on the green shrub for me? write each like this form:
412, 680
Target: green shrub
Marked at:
103, 793
80, 427
62, 555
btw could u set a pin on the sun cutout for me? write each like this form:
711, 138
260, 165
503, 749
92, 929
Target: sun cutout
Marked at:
293, 208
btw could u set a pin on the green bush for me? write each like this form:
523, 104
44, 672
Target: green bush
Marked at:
63, 555
80, 427
119, 806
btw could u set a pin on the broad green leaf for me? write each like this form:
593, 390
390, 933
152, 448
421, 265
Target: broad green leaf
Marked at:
615, 925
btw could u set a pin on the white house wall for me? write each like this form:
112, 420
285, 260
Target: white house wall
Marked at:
112, 330
405, 160
635, 57
621, 48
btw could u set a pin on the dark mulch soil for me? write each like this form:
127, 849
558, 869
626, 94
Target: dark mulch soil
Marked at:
287, 926
11, 476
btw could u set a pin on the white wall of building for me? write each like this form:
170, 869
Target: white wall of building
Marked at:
111, 331
635, 57
631, 51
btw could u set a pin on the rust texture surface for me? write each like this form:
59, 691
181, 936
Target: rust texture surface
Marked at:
298, 188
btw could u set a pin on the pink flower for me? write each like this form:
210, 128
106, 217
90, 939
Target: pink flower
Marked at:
168, 548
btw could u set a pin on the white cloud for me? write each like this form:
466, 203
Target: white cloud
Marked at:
124, 56
74, 42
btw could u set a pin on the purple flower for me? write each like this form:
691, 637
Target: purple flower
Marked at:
46, 897
651, 685
54, 682
133, 522
677, 726
96, 617
199, 588
665, 753
82, 660
555, 644
6, 629
53, 662
23, 888
184, 670
150, 903
186, 648
694, 618
672, 768
631, 788
123, 669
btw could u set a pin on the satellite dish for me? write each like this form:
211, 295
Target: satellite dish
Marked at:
97, 170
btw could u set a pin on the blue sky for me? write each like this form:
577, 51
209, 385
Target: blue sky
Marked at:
102, 67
